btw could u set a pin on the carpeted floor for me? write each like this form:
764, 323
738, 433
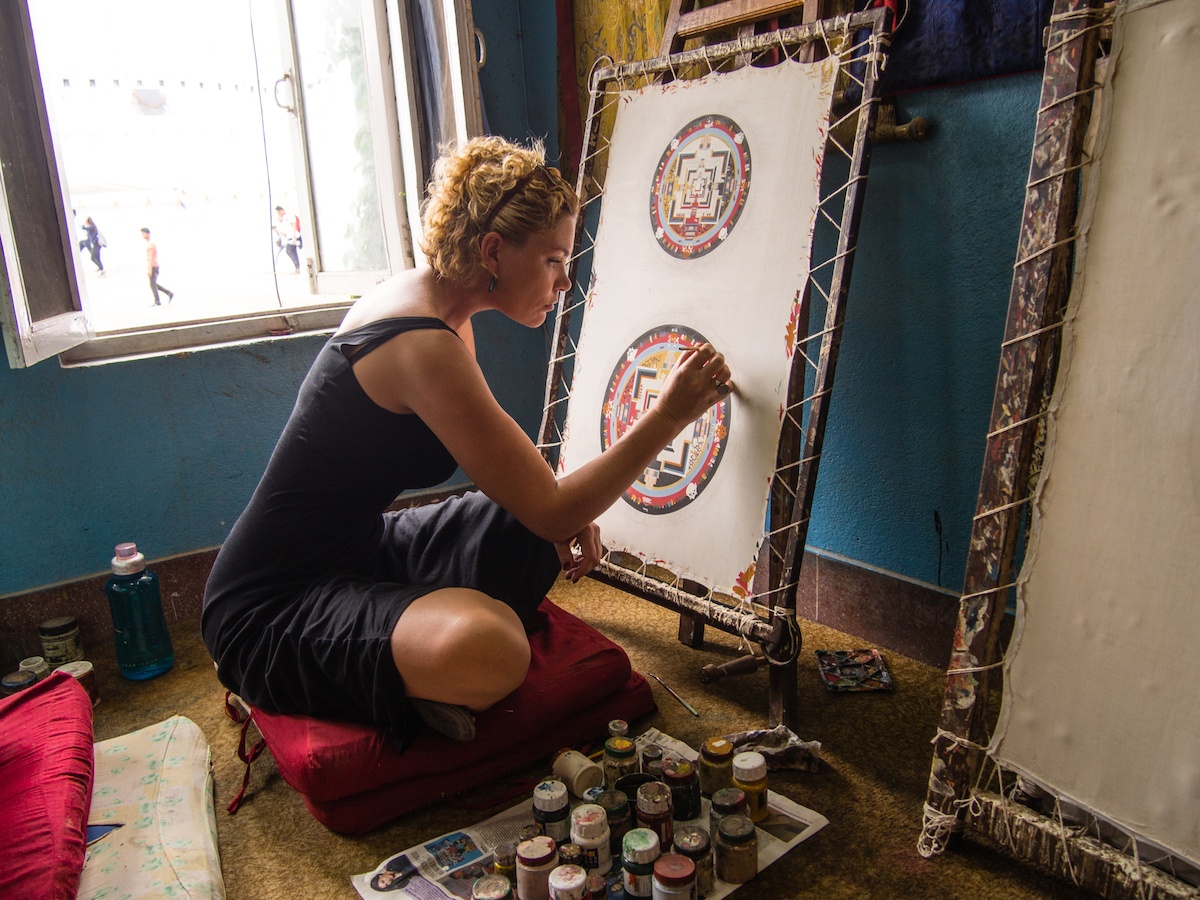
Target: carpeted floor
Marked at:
871, 784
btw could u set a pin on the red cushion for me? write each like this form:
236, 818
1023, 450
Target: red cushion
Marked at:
352, 780
45, 788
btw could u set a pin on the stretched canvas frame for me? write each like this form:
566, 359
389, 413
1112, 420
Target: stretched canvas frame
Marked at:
969, 787
763, 612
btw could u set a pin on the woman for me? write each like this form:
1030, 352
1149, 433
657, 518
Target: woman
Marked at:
319, 602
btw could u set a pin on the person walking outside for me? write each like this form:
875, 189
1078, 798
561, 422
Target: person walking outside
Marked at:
287, 235
95, 240
152, 269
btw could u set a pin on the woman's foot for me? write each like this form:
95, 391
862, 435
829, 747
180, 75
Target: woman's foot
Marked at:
455, 722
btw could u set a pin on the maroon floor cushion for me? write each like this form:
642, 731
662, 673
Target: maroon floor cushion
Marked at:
46, 766
353, 781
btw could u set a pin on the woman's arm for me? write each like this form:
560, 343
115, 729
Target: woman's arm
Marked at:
432, 374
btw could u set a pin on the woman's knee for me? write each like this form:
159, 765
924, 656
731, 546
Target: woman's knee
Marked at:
464, 647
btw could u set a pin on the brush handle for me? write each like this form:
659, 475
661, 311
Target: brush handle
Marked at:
740, 666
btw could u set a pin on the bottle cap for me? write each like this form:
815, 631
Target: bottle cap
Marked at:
652, 751
615, 803
691, 840
678, 771
491, 887
588, 821
505, 854
128, 560
570, 854
654, 797
619, 747
567, 883
736, 829
618, 728
58, 625
597, 886
537, 851
674, 869
728, 801
640, 845
749, 766
717, 749
550, 796
17, 681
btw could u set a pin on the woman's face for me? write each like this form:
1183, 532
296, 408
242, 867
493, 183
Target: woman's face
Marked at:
530, 276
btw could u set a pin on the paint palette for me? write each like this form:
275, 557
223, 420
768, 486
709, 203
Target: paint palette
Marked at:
853, 670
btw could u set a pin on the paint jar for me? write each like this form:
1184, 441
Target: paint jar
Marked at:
139, 627
638, 853
674, 878
618, 728
629, 787
750, 774
567, 883
491, 887
715, 767
551, 809
652, 760
616, 807
680, 777
656, 812
620, 759
35, 664
597, 887
536, 858
15, 682
570, 854
60, 641
737, 850
577, 772
692, 841
504, 861
729, 801
589, 829
83, 672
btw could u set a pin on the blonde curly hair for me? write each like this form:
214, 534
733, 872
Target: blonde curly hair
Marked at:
489, 184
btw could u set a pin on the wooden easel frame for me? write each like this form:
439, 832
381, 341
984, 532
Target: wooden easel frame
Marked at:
1024, 384
811, 382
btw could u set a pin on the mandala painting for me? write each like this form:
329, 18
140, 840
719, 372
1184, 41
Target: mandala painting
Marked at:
700, 186
688, 463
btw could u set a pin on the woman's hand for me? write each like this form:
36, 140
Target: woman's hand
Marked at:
580, 554
700, 378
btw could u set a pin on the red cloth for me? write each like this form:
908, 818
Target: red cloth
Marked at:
353, 781
46, 767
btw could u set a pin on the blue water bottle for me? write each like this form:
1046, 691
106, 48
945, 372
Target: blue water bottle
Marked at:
139, 628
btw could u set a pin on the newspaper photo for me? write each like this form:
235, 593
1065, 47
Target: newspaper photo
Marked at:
447, 866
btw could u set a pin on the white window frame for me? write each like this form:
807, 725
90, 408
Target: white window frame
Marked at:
39, 263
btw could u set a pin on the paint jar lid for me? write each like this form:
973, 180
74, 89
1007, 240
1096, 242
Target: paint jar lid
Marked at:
567, 883
640, 845
537, 851
17, 681
654, 797
58, 625
619, 747
77, 670
35, 664
678, 771
736, 829
128, 560
652, 751
597, 885
673, 869
691, 840
491, 887
550, 796
588, 821
717, 749
749, 766
614, 803
618, 728
505, 854
728, 801
570, 854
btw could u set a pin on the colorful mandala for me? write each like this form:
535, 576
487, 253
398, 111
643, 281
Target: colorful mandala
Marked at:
682, 470
700, 186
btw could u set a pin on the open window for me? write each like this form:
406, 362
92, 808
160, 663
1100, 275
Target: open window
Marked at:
269, 155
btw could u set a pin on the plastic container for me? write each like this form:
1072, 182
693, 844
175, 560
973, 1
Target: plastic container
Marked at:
652, 761
750, 774
620, 817
620, 759
139, 628
728, 801
577, 772
715, 768
693, 842
15, 682
536, 858
680, 777
35, 664
60, 641
737, 850
638, 853
674, 878
551, 809
504, 861
656, 811
567, 883
589, 829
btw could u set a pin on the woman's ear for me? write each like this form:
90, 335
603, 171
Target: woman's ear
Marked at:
489, 250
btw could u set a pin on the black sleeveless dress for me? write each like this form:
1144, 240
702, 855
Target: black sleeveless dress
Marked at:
306, 591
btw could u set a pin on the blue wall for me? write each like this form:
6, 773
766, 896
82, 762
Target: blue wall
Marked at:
167, 451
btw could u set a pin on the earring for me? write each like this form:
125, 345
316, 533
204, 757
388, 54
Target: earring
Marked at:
492, 284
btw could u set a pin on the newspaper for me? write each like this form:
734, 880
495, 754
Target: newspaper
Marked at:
447, 866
